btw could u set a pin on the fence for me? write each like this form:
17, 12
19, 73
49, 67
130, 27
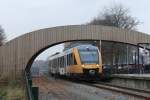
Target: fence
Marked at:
31, 92
128, 69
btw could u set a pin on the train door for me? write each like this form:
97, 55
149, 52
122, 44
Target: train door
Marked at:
61, 68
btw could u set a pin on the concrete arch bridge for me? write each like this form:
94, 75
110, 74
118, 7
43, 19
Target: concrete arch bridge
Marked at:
19, 53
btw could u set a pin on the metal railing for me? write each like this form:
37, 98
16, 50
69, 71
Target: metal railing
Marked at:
28, 81
127, 69
31, 92
140, 69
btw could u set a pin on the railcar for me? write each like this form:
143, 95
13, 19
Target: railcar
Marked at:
80, 62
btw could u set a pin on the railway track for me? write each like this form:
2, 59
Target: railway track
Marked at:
129, 91
134, 93
103, 85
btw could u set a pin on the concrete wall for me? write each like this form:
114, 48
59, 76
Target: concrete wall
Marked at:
18, 53
135, 81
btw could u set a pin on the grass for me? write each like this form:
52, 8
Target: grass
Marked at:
3, 94
12, 91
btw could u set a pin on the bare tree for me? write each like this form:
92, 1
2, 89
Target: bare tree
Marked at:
116, 15
2, 36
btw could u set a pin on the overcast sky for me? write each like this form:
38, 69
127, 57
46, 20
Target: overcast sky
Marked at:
21, 16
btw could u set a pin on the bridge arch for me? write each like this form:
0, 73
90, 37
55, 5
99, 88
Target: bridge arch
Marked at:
16, 54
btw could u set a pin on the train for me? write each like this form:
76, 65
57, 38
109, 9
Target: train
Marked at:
80, 62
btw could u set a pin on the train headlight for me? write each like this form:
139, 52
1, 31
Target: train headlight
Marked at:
92, 71
83, 65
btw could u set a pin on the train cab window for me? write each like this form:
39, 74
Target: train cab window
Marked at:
89, 56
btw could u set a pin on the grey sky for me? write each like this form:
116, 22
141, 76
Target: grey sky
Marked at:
22, 16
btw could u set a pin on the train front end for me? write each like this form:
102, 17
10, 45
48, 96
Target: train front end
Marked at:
91, 63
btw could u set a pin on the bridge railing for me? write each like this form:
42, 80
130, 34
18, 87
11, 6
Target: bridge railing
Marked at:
31, 92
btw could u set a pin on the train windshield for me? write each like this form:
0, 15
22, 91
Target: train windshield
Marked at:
89, 56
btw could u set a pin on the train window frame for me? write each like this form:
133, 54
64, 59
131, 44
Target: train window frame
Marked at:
63, 62
98, 59
70, 59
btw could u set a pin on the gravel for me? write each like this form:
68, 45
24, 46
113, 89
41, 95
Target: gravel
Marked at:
51, 89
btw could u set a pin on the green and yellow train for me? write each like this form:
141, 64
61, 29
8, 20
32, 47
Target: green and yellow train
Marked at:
80, 62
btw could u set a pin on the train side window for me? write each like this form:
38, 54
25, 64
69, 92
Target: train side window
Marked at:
55, 64
52, 63
58, 62
49, 63
70, 59
67, 60
74, 60
62, 62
